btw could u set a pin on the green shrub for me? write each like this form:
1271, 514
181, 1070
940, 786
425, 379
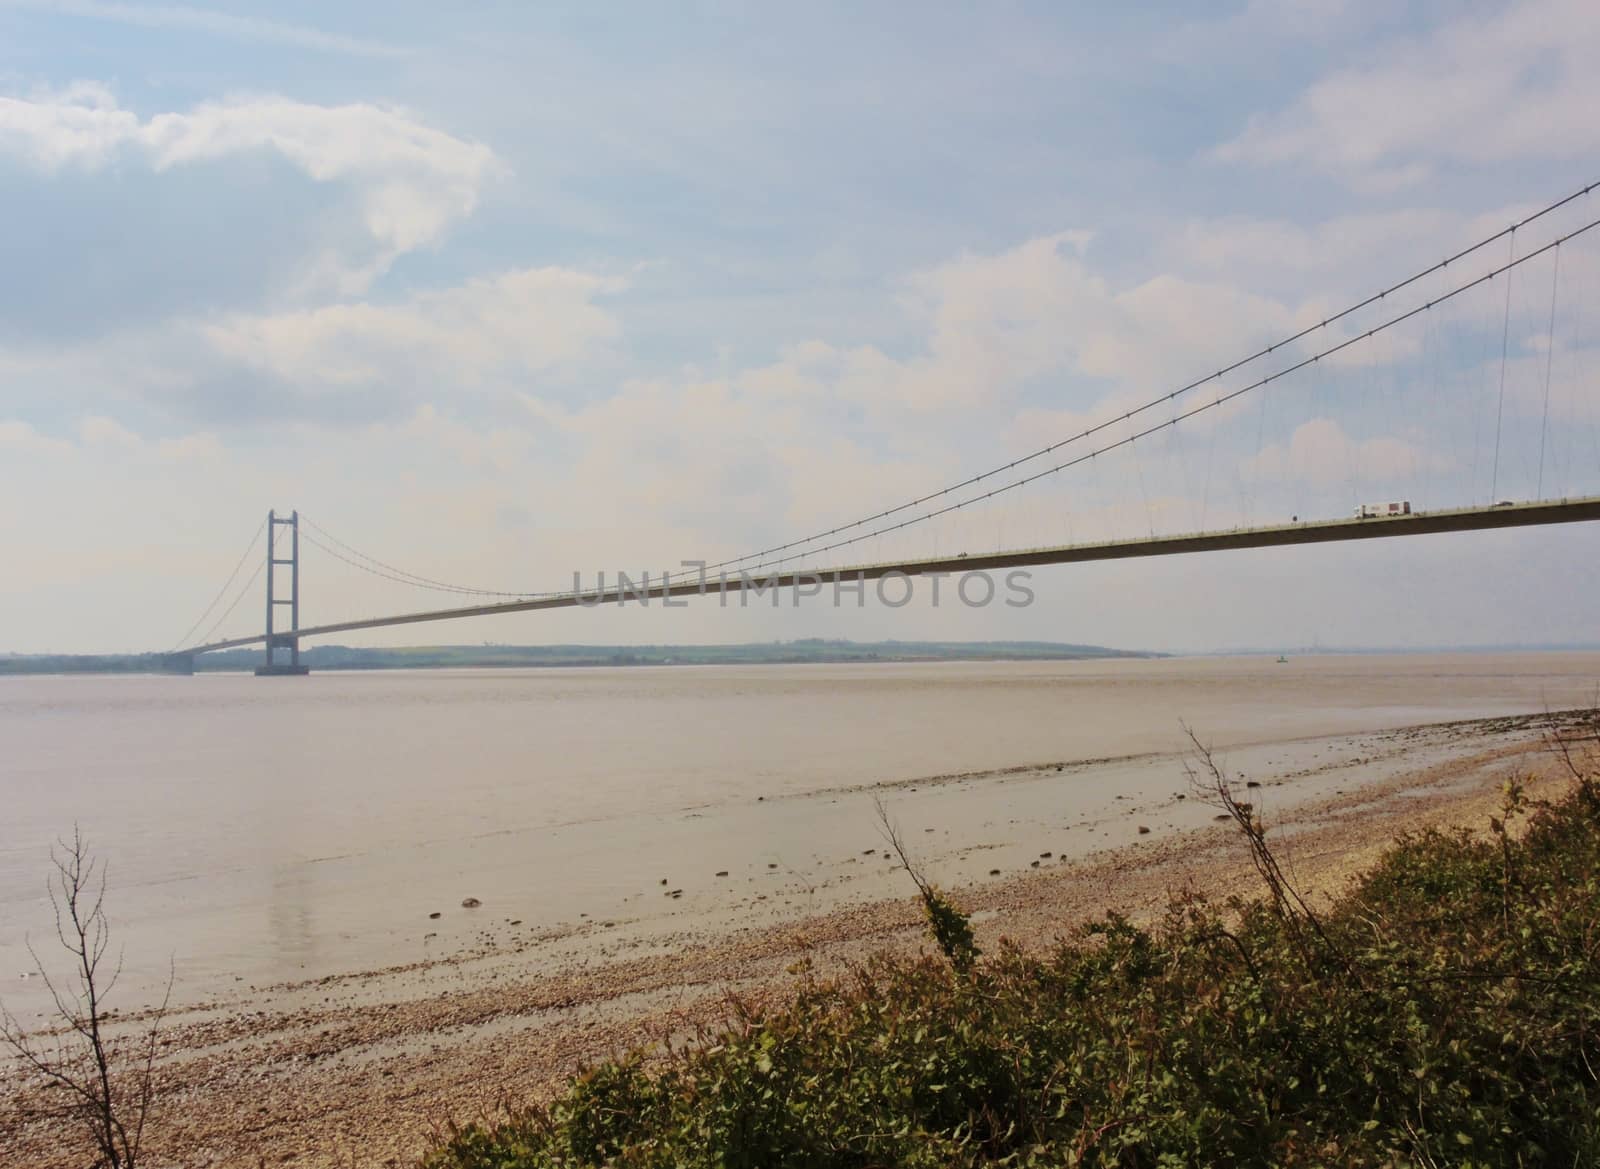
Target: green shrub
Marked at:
1449, 1019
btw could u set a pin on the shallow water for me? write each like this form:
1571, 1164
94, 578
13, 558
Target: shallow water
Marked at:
271, 829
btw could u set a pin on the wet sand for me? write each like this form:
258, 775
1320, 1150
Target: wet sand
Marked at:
364, 1068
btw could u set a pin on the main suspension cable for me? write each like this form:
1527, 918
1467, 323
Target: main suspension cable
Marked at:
210, 633
390, 572
1219, 401
1154, 402
376, 567
184, 640
396, 577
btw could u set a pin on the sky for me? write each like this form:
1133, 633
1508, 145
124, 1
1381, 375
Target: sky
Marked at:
499, 293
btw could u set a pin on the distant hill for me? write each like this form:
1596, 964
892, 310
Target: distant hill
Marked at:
814, 649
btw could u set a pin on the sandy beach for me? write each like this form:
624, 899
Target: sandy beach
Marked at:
364, 1068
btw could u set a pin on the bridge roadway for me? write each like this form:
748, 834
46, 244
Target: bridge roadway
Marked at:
1467, 519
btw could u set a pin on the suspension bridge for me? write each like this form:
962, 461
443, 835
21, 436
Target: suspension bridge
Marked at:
1461, 395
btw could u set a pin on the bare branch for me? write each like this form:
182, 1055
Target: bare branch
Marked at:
950, 927
111, 1101
891, 834
1210, 785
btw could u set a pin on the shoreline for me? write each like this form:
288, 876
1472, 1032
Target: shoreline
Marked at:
362, 1067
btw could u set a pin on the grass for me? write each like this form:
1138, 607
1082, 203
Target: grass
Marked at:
1443, 1012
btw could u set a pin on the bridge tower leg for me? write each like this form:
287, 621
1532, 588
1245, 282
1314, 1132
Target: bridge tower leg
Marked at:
287, 665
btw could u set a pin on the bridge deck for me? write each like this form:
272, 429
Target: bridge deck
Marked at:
1312, 532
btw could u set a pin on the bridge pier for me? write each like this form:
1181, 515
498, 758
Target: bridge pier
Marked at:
277, 667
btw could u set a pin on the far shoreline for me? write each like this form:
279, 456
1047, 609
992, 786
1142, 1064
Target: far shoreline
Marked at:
800, 652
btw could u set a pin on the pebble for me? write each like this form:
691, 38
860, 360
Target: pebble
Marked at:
470, 903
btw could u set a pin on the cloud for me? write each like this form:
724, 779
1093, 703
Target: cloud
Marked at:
1263, 248
104, 438
189, 447
1037, 318
349, 363
1031, 343
21, 438
108, 434
1493, 87
685, 466
178, 16
411, 181
1320, 452
512, 326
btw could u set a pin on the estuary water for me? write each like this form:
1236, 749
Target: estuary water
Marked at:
281, 829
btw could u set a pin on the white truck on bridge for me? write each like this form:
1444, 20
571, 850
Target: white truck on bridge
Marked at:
1372, 511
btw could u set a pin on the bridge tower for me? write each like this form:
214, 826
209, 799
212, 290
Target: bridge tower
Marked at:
283, 665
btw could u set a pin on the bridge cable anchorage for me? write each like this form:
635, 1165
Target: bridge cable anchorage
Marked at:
1206, 406
401, 574
243, 592
1303, 333
200, 620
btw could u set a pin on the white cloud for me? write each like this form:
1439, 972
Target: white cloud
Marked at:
189, 447
412, 181
1031, 344
247, 28
1265, 247
1320, 452
995, 324
79, 124
100, 437
513, 325
1492, 87
103, 436
21, 437
108, 434
346, 363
